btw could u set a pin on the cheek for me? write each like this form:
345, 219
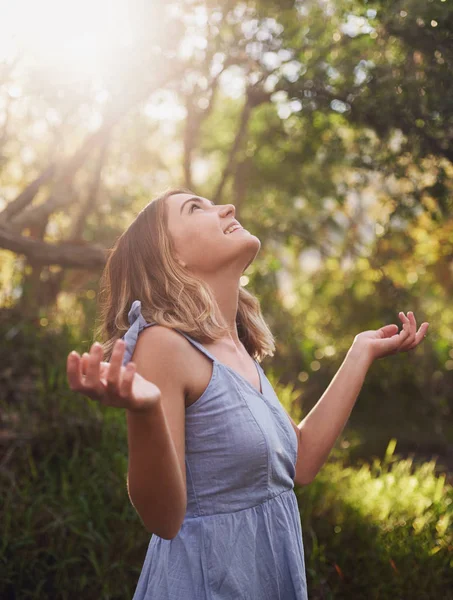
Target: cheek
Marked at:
205, 244
199, 239
206, 239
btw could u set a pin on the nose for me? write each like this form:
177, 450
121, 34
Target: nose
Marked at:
227, 209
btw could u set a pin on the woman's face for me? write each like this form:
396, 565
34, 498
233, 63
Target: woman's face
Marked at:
197, 227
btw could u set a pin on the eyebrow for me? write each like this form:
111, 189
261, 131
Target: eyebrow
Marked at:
193, 198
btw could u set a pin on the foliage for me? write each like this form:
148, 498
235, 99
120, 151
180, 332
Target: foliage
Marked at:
379, 530
68, 528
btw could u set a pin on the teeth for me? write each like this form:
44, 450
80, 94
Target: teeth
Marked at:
231, 229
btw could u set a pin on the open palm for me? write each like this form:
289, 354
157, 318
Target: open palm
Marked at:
386, 340
109, 382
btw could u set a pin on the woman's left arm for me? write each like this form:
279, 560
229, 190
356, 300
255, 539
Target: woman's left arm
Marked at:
320, 429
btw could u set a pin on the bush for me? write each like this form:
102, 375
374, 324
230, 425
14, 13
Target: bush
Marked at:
379, 530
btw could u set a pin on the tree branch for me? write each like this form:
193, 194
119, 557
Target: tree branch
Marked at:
81, 255
26, 196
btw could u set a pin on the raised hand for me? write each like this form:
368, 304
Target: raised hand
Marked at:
109, 382
386, 340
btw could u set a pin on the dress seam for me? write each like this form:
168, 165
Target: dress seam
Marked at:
193, 486
233, 512
262, 433
288, 426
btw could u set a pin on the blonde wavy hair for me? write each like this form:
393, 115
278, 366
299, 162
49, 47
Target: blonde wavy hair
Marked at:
142, 266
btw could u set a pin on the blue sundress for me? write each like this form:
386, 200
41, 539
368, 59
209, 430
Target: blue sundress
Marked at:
241, 538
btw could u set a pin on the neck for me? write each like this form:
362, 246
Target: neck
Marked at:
225, 287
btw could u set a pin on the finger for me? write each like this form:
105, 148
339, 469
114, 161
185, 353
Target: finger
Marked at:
408, 323
127, 380
404, 319
413, 321
83, 366
76, 376
406, 326
402, 336
421, 334
388, 331
73, 370
92, 366
116, 362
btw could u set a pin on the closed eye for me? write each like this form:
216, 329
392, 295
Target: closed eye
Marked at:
192, 205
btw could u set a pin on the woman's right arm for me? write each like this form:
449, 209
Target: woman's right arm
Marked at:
152, 390
156, 437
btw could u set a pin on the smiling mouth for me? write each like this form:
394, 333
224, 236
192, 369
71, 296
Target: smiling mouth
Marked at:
234, 230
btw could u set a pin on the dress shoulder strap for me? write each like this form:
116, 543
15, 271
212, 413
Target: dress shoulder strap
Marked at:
197, 345
137, 324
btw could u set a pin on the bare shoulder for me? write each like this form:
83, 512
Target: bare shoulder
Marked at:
167, 350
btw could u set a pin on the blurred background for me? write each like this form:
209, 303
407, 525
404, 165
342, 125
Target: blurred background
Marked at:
329, 126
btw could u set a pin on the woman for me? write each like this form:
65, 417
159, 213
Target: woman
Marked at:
213, 455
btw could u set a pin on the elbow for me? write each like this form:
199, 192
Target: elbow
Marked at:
301, 482
165, 529
304, 478
171, 535
305, 472
165, 533
165, 524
